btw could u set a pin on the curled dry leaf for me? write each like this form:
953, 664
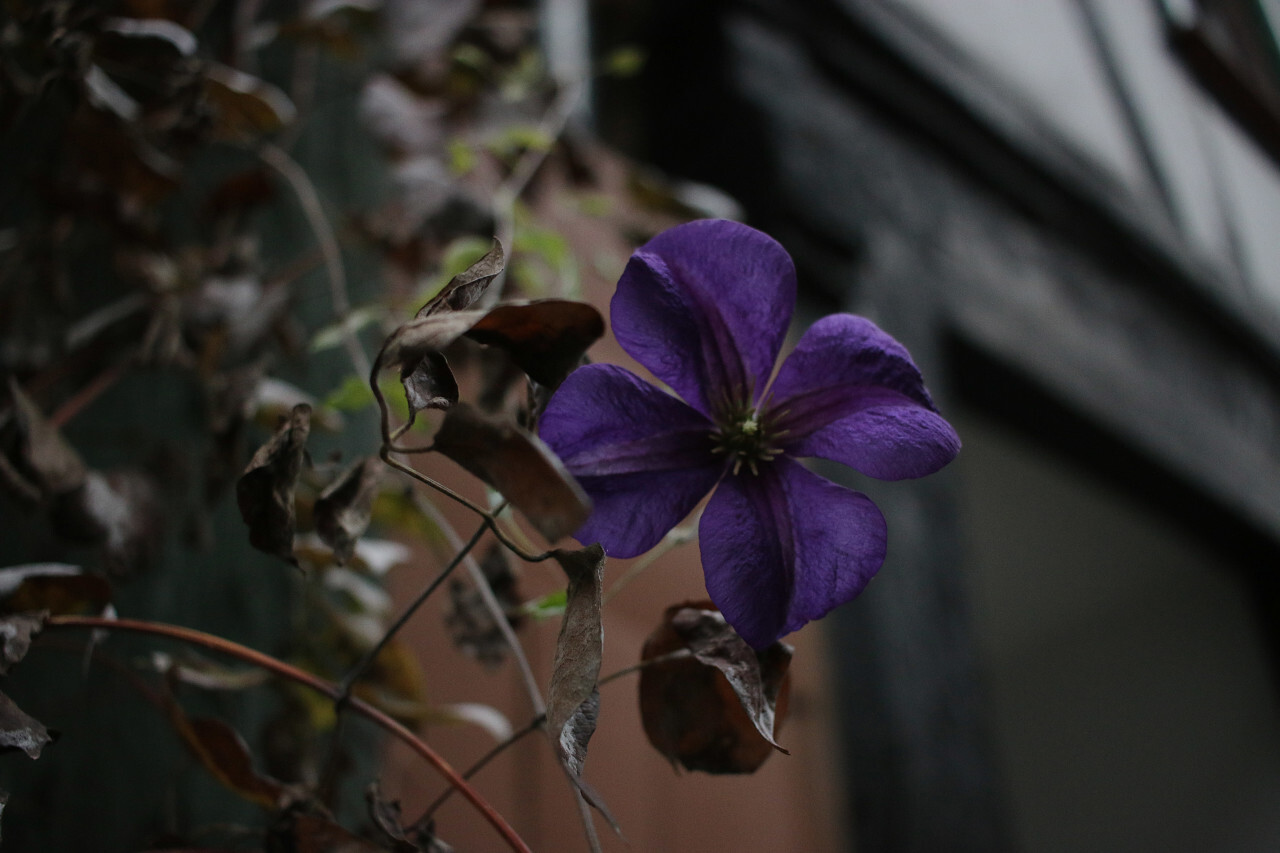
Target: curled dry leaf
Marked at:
302, 832
16, 632
385, 815
428, 381
573, 699
19, 731
220, 750
545, 338
717, 709
246, 107
62, 595
518, 465
343, 510
119, 511
465, 288
471, 624
264, 491
40, 464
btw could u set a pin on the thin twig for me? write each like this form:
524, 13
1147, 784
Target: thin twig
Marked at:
492, 604
77, 402
299, 676
534, 724
327, 240
370, 656
627, 670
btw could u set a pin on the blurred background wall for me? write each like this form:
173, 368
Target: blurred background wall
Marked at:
1067, 210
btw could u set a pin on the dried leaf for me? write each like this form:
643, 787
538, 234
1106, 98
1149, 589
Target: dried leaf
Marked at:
717, 710
264, 491
471, 624
518, 465
11, 577
157, 32
61, 594
203, 673
20, 731
416, 347
38, 453
466, 287
430, 384
487, 717
573, 699
119, 511
394, 683
546, 338
385, 815
343, 510
16, 632
220, 750
310, 833
246, 107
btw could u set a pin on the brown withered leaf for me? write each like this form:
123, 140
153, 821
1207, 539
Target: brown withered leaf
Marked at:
428, 381
471, 625
518, 465
385, 815
37, 453
575, 668
19, 731
16, 632
718, 709
466, 287
429, 384
573, 700
311, 833
119, 511
545, 338
60, 594
343, 509
221, 751
245, 106
264, 491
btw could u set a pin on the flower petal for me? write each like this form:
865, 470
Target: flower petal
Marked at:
643, 456
705, 306
785, 547
851, 393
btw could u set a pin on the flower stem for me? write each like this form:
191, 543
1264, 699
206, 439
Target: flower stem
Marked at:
285, 670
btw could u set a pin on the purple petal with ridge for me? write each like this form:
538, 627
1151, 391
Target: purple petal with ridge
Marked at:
851, 393
643, 456
785, 547
705, 306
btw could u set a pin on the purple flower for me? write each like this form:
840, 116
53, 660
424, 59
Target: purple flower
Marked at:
705, 307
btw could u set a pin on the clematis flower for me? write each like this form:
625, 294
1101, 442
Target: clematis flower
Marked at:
705, 307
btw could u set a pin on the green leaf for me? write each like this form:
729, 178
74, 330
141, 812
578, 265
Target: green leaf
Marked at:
352, 395
626, 61
515, 140
462, 157
548, 606
334, 334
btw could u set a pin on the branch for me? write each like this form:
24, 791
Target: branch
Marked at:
327, 241
299, 676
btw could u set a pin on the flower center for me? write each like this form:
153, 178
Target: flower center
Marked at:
745, 437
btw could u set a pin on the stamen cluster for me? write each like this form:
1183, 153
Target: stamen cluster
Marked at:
746, 437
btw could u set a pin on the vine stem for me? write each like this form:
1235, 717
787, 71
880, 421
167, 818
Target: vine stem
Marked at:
299, 676
327, 242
